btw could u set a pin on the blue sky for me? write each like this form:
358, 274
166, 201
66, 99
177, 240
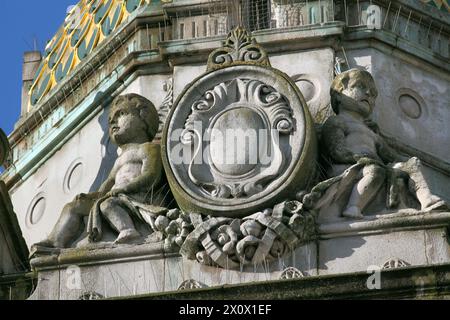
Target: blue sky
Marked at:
23, 22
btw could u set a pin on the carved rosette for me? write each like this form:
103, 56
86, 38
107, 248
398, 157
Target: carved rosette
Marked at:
191, 285
291, 273
395, 263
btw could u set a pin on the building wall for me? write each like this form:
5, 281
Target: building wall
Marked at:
6, 259
80, 166
413, 102
312, 71
40, 199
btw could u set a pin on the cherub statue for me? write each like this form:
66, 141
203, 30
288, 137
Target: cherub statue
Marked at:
351, 137
137, 172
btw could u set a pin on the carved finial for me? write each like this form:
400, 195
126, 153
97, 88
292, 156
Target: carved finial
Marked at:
4, 147
240, 48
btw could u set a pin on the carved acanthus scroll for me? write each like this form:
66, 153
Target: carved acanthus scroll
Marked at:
240, 48
264, 113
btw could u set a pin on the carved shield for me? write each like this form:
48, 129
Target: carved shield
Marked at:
240, 137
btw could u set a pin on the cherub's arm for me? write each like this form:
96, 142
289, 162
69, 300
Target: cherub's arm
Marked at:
108, 184
151, 171
387, 154
103, 190
334, 139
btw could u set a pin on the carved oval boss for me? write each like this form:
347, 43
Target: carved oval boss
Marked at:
240, 137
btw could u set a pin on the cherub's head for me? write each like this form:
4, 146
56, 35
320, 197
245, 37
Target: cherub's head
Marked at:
132, 119
354, 90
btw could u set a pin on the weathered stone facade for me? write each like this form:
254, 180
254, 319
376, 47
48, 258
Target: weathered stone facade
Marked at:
357, 177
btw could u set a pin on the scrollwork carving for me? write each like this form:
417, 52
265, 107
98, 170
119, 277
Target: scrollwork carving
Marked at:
166, 105
263, 110
240, 137
239, 48
262, 237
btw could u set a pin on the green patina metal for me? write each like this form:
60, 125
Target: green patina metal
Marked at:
442, 5
87, 25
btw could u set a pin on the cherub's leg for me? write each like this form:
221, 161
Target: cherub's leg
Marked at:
364, 191
419, 186
68, 226
119, 219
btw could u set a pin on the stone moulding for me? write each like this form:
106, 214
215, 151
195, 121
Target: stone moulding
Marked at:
91, 296
98, 255
370, 225
401, 283
400, 221
224, 242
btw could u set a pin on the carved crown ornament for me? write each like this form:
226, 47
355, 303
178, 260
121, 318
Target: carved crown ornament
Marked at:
240, 48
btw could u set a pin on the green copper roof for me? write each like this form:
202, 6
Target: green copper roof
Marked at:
86, 26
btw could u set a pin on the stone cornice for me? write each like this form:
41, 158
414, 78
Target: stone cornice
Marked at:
403, 283
380, 224
432, 161
419, 7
